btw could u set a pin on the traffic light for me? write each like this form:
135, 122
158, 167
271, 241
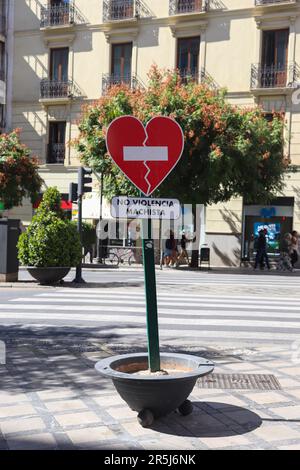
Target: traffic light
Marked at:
73, 192
83, 180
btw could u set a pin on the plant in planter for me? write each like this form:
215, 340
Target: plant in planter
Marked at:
51, 245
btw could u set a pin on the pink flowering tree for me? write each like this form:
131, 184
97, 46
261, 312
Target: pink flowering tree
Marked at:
19, 176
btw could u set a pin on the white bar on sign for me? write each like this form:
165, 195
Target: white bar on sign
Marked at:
146, 154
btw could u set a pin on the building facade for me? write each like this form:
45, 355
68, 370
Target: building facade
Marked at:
66, 53
6, 54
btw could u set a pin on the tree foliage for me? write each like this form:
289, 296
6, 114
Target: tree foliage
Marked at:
228, 152
19, 176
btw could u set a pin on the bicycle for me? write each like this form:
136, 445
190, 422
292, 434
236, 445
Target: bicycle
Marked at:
126, 255
111, 259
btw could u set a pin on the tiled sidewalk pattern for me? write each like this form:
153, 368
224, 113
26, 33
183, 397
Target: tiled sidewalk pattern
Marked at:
56, 400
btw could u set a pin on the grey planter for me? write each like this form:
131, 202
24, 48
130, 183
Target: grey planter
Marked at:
153, 396
48, 275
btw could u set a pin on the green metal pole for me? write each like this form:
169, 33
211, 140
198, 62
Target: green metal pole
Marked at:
151, 297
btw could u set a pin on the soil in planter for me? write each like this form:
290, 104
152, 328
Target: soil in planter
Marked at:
160, 372
142, 369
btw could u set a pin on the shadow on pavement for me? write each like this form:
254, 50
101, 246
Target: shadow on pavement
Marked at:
210, 419
40, 358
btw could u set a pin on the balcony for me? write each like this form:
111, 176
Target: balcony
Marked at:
56, 16
58, 91
198, 76
56, 154
181, 7
109, 80
124, 10
265, 77
259, 3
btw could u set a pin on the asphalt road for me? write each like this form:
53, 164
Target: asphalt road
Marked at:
195, 308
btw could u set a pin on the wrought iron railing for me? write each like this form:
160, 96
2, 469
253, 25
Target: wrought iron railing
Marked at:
199, 76
131, 80
56, 153
58, 89
271, 2
206, 78
265, 76
189, 74
117, 10
177, 7
60, 15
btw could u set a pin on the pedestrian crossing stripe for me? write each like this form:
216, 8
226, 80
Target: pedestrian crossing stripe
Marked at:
163, 321
200, 305
181, 315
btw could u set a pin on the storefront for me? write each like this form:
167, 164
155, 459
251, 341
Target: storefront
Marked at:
276, 219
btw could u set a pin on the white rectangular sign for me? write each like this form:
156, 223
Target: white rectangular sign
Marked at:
146, 154
123, 207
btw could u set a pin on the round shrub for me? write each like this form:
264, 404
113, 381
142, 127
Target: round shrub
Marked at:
50, 240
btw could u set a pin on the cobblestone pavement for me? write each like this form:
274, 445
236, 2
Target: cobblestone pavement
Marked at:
53, 398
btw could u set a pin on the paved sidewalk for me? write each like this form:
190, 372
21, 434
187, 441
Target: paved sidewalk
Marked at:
51, 397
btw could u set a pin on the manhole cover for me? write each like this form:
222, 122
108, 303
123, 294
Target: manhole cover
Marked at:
239, 382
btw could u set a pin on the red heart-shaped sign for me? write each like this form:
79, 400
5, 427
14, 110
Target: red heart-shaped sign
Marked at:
145, 155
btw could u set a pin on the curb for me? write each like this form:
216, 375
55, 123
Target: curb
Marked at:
69, 285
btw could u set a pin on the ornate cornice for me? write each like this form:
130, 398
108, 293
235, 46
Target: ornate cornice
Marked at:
119, 34
188, 28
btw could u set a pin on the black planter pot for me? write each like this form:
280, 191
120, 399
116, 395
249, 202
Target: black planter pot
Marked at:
48, 275
153, 396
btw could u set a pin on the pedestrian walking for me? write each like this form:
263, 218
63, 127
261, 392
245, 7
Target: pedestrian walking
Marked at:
285, 263
251, 247
294, 247
169, 250
183, 255
262, 255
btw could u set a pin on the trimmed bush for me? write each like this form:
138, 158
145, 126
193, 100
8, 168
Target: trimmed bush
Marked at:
50, 240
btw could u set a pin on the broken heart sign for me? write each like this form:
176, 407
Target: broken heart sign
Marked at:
146, 155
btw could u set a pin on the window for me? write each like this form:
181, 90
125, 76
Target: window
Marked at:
58, 3
59, 61
187, 6
121, 9
188, 56
2, 61
274, 58
59, 12
121, 62
57, 142
2, 117
2, 16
